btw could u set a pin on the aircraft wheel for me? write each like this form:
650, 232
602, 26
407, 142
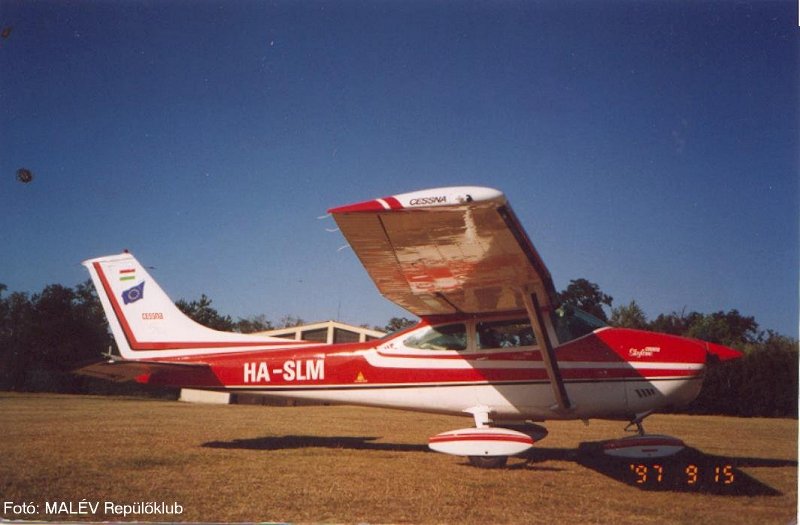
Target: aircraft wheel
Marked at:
488, 461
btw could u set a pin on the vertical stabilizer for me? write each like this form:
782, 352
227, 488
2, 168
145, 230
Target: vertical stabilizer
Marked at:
147, 324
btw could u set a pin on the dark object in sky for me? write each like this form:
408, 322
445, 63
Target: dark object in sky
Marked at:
24, 175
6, 32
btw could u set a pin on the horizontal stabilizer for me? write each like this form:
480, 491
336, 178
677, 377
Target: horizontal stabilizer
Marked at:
150, 372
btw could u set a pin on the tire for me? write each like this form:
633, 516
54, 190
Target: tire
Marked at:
488, 461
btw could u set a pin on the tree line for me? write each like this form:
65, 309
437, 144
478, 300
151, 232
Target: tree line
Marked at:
46, 335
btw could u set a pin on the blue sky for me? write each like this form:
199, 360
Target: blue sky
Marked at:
650, 147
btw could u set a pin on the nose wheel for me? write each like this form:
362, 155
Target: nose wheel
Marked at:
643, 446
639, 427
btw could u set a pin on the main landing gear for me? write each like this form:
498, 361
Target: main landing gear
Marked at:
485, 446
488, 461
533, 431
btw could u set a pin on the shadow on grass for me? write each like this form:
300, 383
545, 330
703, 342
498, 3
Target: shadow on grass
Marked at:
340, 442
689, 471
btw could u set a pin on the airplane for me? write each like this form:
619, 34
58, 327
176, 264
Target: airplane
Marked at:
491, 344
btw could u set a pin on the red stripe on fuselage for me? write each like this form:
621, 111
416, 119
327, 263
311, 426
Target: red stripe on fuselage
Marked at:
346, 366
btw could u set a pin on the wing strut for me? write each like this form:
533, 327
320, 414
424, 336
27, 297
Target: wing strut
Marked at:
548, 354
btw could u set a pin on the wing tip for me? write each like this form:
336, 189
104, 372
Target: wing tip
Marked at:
430, 198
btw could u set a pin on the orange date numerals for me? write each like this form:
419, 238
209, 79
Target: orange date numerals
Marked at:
724, 475
691, 474
642, 472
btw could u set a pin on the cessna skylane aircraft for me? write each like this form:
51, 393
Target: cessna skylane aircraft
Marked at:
492, 343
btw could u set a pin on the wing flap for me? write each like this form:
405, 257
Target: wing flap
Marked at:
447, 250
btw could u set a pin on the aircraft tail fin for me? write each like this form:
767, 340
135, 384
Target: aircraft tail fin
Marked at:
146, 323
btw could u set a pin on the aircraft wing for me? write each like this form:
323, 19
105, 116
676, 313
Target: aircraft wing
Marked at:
447, 250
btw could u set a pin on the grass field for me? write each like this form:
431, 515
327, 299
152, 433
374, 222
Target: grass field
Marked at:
348, 464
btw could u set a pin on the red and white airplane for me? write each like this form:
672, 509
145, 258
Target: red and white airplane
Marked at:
491, 343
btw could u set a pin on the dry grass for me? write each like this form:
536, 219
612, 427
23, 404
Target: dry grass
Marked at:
347, 464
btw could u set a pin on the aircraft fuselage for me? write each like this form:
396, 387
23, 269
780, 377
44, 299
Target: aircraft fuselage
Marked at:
610, 373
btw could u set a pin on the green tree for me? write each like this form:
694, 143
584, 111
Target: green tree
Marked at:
289, 320
15, 344
763, 382
396, 324
586, 296
256, 323
44, 337
727, 328
630, 316
3, 309
68, 329
201, 311
675, 323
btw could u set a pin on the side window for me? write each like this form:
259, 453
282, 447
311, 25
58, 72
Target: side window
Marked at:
447, 337
505, 334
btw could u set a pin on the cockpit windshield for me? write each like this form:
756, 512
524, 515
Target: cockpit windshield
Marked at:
445, 337
572, 323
